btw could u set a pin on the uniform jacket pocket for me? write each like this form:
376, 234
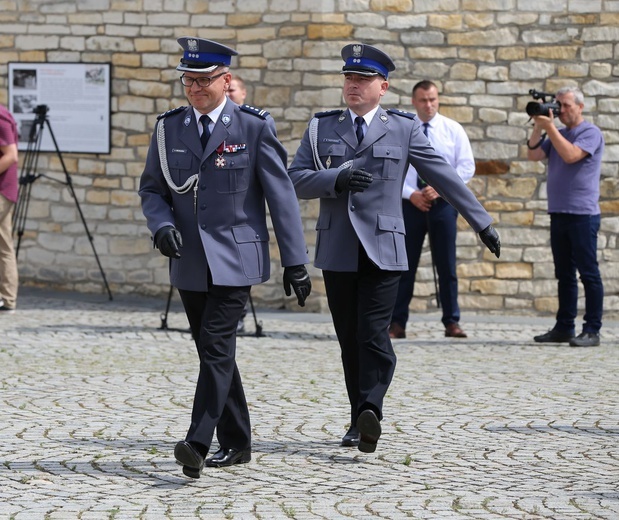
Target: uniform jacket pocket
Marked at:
252, 244
323, 232
332, 155
390, 156
233, 175
391, 245
180, 165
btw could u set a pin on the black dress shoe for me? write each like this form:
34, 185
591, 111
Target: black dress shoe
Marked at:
191, 472
369, 431
351, 438
554, 336
228, 457
586, 339
190, 458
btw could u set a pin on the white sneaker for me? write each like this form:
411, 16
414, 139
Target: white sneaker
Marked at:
6, 310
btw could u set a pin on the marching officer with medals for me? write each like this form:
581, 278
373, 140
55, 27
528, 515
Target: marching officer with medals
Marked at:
210, 168
355, 161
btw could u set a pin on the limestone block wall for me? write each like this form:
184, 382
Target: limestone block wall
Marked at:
485, 55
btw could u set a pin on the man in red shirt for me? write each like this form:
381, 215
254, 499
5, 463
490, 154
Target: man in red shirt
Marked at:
8, 197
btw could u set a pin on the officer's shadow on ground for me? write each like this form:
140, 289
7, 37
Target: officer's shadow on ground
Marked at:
171, 331
151, 461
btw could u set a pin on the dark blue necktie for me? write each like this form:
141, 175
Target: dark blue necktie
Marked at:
420, 182
206, 133
359, 123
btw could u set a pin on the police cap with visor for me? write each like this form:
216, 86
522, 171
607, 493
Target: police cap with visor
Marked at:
202, 55
366, 60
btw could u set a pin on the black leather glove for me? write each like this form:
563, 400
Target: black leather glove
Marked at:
353, 180
168, 239
490, 238
298, 277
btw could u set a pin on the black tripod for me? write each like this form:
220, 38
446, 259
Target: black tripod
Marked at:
28, 176
164, 317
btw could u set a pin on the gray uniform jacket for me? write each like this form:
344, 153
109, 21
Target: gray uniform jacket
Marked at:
374, 217
223, 222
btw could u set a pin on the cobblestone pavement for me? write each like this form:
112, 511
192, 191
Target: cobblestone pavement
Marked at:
95, 395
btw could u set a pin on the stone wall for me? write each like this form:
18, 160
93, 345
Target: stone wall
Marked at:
484, 54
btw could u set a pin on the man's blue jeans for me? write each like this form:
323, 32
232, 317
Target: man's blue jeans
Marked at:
573, 239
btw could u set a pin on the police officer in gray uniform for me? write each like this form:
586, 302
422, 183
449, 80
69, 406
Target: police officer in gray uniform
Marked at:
355, 162
209, 170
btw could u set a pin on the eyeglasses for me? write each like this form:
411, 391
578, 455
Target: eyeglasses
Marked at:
202, 82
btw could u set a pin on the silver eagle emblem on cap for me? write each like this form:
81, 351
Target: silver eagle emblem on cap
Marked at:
357, 50
192, 45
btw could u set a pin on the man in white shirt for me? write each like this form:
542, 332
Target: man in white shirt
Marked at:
237, 91
425, 212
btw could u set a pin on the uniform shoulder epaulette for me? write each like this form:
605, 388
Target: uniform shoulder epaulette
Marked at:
402, 113
328, 113
170, 112
255, 111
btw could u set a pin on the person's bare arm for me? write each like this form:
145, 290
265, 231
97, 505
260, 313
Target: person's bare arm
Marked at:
9, 157
569, 152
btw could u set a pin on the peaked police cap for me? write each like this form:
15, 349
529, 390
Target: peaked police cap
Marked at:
366, 60
202, 55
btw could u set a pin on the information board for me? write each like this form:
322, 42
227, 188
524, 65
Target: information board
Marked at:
75, 98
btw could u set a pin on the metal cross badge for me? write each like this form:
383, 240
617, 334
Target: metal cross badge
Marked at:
220, 162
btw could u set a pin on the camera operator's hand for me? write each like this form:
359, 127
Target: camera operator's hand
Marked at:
490, 238
298, 277
353, 180
543, 122
169, 241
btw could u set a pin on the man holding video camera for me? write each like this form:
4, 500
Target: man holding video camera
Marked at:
574, 156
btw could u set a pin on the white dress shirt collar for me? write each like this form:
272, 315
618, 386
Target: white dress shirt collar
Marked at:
214, 114
367, 117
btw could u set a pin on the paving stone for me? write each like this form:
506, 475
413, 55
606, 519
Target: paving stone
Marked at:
95, 395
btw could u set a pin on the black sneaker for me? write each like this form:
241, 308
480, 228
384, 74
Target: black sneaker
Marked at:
585, 339
554, 336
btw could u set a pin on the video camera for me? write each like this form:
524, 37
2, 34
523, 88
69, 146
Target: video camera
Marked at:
543, 108
40, 110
